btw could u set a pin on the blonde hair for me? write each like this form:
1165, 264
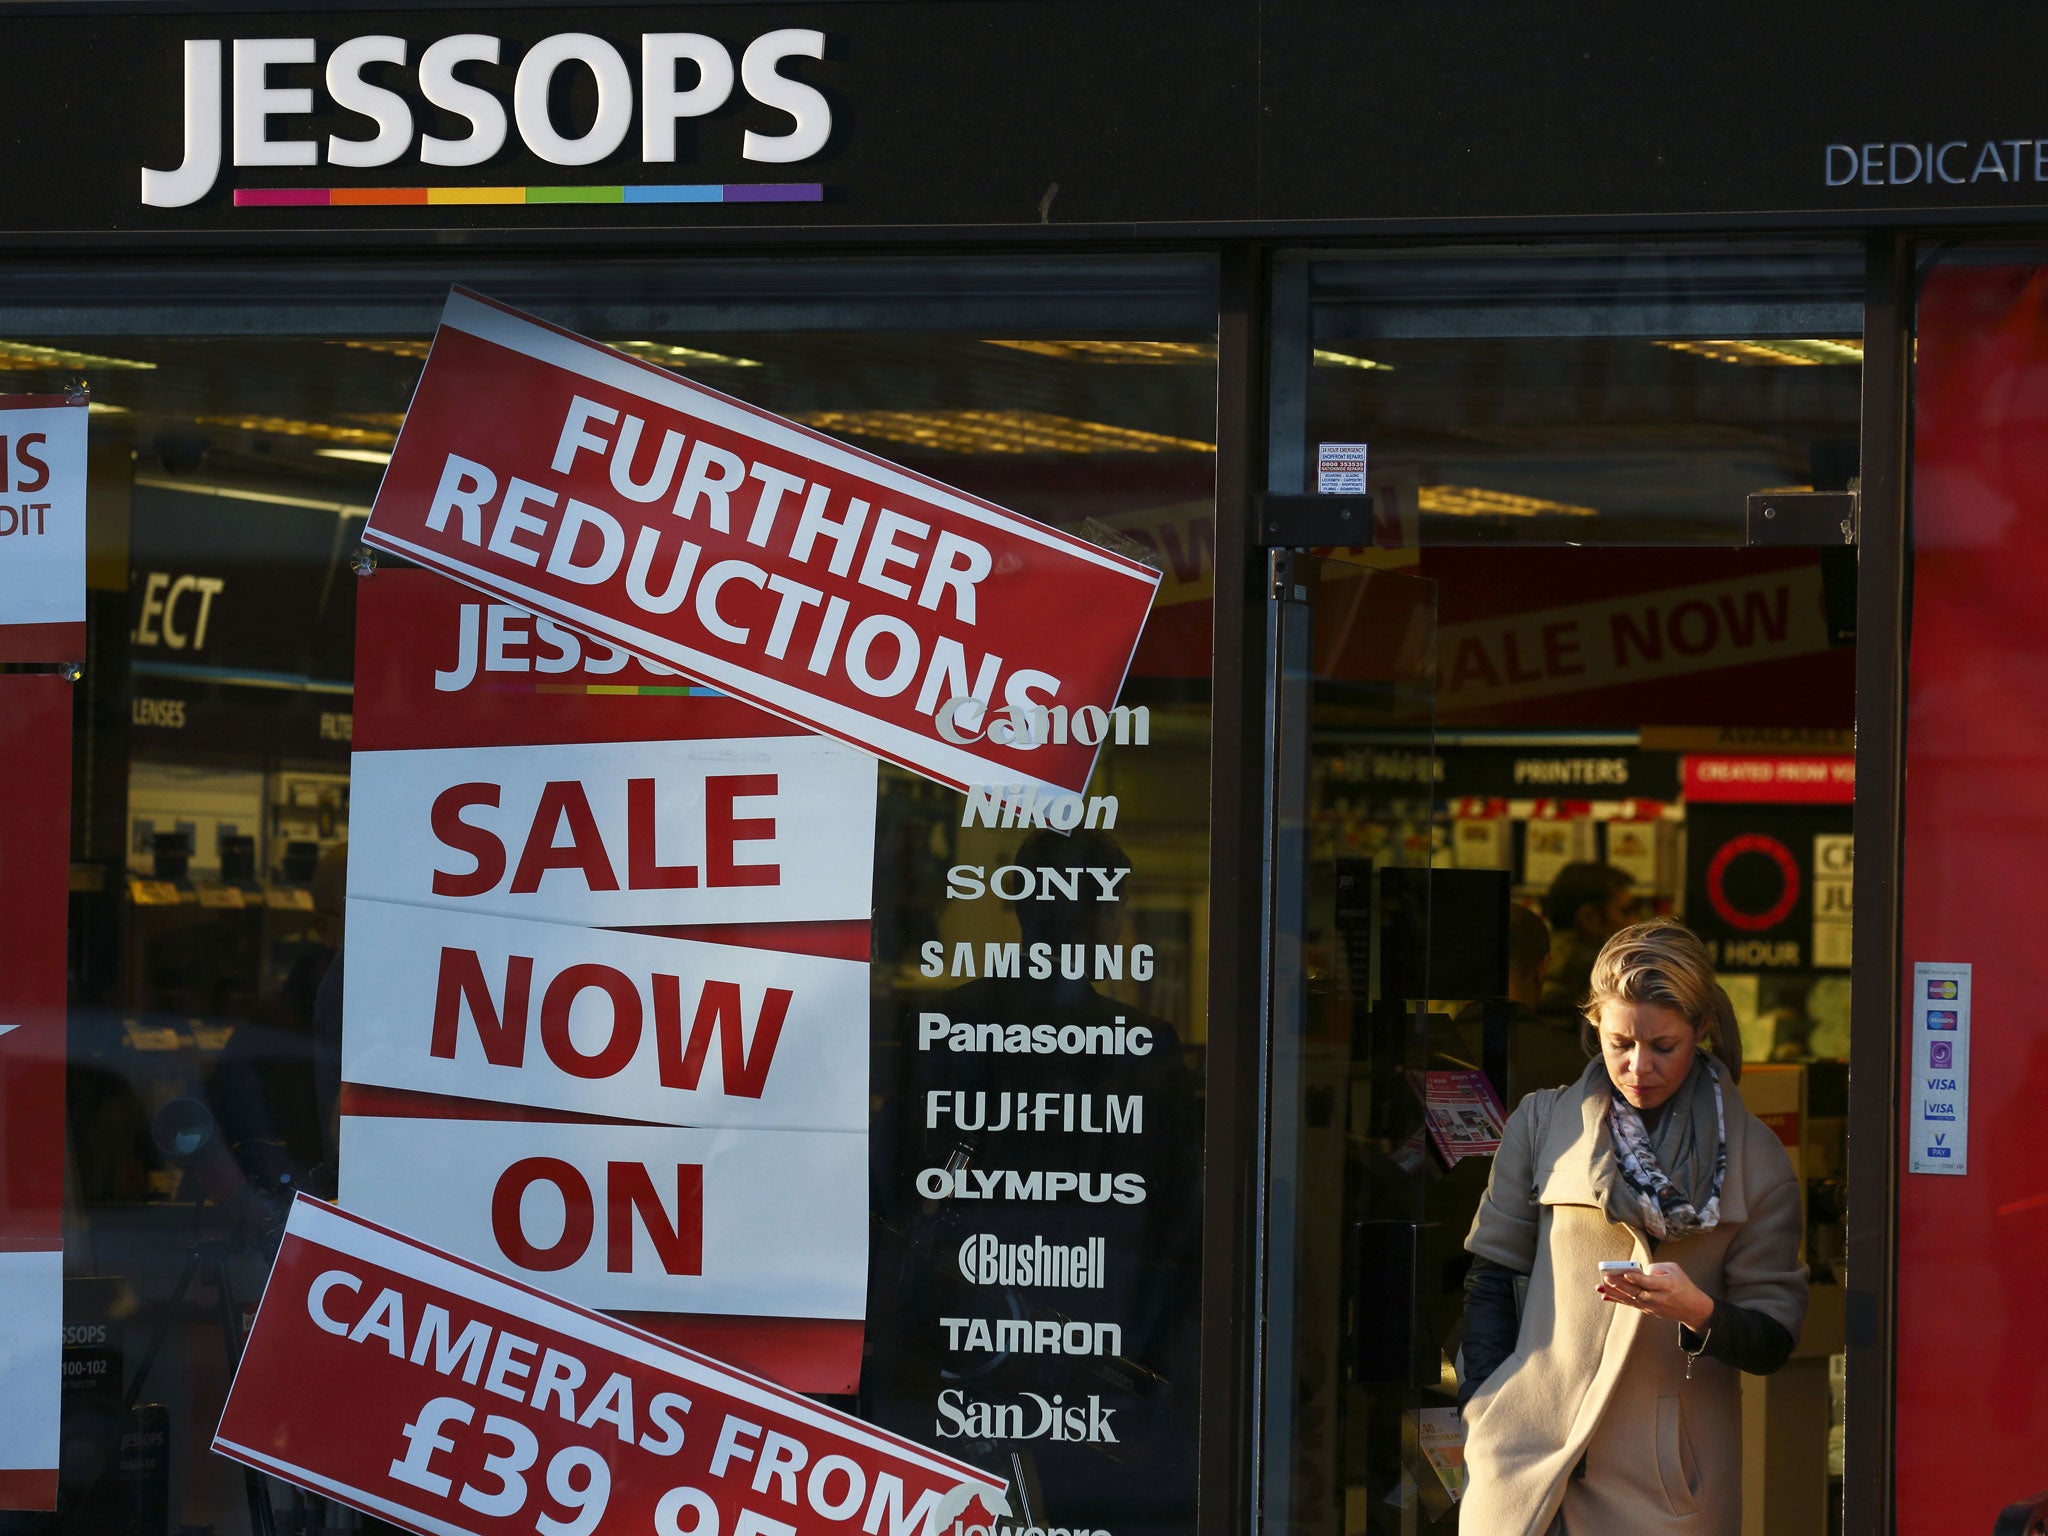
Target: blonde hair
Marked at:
1663, 962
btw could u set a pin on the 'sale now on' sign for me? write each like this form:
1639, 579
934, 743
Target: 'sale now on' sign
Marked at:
456, 1402
605, 1020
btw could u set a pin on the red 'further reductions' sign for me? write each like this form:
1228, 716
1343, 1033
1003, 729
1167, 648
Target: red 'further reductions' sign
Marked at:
808, 577
455, 1402
35, 863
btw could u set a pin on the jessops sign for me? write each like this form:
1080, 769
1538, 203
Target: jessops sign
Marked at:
923, 115
250, 102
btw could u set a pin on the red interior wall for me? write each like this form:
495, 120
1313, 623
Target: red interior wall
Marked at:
1973, 1255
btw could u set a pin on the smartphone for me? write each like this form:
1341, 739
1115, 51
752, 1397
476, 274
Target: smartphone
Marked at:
1623, 1267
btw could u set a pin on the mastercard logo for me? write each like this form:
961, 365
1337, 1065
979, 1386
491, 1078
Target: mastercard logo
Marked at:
1942, 991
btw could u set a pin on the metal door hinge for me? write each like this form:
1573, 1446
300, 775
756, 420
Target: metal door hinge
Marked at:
1801, 519
1289, 577
1318, 522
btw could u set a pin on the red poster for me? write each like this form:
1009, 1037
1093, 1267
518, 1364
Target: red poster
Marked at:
607, 968
1770, 780
35, 818
452, 1401
1971, 1250
757, 556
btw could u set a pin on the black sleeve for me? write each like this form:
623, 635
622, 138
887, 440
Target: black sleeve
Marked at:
1743, 1337
1490, 1323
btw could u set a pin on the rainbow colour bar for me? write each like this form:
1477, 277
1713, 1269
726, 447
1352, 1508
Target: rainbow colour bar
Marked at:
612, 690
393, 197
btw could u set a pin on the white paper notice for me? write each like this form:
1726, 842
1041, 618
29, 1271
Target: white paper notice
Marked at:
31, 1356
42, 510
1834, 882
1340, 469
1940, 1113
1550, 845
632, 1218
775, 829
591, 1021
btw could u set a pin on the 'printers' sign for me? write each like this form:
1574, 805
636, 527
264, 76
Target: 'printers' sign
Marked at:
810, 578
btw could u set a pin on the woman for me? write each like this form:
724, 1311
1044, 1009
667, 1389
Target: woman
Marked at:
1612, 1406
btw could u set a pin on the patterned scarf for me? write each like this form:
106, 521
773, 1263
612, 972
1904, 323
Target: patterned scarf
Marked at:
1675, 1182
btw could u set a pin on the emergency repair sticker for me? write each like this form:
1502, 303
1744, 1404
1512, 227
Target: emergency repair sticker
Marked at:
1340, 469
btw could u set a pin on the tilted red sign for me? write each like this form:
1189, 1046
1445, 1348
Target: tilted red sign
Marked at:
753, 554
452, 1401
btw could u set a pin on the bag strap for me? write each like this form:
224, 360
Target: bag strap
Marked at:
1546, 1102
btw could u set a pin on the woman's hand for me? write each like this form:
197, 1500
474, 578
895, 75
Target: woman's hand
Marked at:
1663, 1290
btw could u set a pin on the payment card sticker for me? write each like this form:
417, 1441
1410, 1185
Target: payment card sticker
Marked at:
1939, 1115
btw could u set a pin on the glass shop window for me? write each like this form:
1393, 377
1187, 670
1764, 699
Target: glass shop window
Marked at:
1036, 1015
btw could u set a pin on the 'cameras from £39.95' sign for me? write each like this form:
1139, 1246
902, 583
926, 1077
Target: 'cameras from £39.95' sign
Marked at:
456, 1402
817, 581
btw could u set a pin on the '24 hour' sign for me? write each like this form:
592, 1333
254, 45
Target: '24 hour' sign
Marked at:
807, 577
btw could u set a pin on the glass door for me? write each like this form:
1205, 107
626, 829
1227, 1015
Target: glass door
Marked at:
1369, 1090
1602, 668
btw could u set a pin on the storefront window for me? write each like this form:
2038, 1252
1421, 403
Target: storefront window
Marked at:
1036, 995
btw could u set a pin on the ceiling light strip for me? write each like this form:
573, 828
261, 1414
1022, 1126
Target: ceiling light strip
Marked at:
1784, 353
231, 493
15, 355
1476, 501
1004, 431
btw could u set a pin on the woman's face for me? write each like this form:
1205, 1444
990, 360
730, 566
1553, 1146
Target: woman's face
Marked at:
1648, 1049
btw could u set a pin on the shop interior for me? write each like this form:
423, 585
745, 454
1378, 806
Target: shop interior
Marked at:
1568, 698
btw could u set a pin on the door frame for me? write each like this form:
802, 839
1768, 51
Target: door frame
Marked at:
1883, 585
1262, 364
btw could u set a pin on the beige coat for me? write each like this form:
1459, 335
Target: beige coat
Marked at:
1594, 1379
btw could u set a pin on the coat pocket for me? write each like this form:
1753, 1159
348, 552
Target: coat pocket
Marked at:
1481, 1402
1676, 1469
